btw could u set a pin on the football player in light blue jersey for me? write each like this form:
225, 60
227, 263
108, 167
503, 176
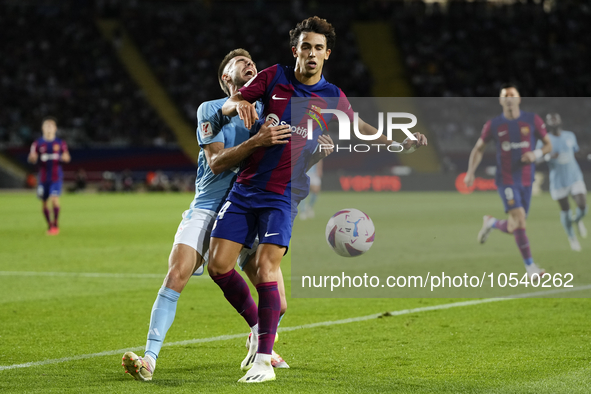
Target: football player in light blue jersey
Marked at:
566, 179
224, 144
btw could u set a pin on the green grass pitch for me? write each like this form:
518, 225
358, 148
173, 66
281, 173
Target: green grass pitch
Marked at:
80, 297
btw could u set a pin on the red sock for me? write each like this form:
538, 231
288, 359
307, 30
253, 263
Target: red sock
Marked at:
47, 217
237, 293
523, 244
56, 212
269, 310
501, 225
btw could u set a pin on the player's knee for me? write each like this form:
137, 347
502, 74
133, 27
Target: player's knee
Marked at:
215, 269
266, 273
180, 269
283, 305
178, 275
518, 223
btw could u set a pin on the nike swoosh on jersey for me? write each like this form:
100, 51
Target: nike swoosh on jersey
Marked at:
278, 98
269, 235
502, 133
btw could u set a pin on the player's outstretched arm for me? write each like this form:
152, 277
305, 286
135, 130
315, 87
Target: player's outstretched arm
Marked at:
475, 159
236, 105
33, 156
221, 159
409, 145
538, 154
66, 158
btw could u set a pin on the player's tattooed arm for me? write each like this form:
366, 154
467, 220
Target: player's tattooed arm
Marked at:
475, 159
236, 105
221, 159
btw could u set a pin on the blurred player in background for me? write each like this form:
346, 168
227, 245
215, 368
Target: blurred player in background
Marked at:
566, 178
225, 143
515, 133
264, 199
50, 151
307, 206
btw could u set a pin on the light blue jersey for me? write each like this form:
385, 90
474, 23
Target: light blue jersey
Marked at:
564, 169
211, 190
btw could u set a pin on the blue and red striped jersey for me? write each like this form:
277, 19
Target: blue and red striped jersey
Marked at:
273, 168
49, 153
513, 138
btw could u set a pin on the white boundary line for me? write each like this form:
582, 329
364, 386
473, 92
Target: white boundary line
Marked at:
294, 328
82, 274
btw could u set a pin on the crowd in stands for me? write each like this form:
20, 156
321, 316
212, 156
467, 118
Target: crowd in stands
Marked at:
185, 43
469, 49
54, 61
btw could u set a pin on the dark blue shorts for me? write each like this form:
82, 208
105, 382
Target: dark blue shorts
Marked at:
515, 196
250, 211
47, 189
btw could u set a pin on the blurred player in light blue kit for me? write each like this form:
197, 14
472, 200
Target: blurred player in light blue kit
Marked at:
566, 179
307, 206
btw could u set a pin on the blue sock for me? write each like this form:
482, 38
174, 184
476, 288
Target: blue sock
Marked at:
302, 206
312, 197
580, 214
567, 223
163, 313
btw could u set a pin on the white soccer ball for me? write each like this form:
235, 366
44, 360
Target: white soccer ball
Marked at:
350, 232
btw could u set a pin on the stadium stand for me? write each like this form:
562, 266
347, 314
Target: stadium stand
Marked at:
185, 42
64, 67
544, 49
54, 61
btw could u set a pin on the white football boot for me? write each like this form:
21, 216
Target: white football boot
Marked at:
487, 226
574, 243
138, 367
582, 229
252, 347
261, 371
534, 272
276, 360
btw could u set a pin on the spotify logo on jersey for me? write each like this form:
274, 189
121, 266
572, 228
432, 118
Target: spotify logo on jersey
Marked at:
273, 118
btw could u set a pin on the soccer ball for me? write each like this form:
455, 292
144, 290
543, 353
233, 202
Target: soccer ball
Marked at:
350, 232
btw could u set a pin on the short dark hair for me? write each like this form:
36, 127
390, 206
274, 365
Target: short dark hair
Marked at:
231, 55
508, 85
46, 118
313, 24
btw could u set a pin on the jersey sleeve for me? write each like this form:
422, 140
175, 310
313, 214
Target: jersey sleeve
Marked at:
34, 147
63, 146
255, 88
486, 133
210, 121
345, 106
540, 127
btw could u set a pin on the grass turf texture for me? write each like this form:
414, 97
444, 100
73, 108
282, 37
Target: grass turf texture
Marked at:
515, 346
